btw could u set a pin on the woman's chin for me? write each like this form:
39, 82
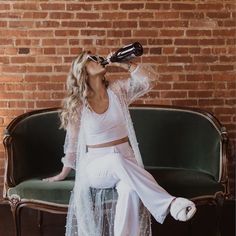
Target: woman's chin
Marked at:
102, 71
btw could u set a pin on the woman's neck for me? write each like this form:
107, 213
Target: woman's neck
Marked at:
98, 90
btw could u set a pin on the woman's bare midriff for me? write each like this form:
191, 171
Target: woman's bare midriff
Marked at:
118, 141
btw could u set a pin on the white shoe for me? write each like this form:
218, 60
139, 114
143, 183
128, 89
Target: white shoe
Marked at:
182, 209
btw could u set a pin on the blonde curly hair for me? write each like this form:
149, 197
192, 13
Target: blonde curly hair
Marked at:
77, 90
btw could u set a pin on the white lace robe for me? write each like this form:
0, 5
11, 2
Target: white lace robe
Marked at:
87, 207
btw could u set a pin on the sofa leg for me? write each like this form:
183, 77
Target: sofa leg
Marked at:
40, 221
219, 207
16, 210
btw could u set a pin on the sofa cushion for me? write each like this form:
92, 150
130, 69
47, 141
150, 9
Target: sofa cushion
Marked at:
178, 182
36, 189
186, 183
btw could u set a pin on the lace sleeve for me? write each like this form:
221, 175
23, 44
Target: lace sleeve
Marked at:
141, 80
70, 145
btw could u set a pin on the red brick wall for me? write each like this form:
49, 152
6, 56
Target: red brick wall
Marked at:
191, 43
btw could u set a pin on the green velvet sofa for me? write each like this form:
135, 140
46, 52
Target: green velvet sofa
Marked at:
183, 148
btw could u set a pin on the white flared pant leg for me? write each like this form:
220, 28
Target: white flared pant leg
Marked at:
155, 198
126, 221
117, 166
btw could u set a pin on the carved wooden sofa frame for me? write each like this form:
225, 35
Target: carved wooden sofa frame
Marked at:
33, 138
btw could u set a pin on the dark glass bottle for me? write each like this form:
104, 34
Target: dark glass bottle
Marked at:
125, 53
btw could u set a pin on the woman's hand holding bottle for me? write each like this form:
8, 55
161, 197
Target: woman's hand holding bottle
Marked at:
127, 65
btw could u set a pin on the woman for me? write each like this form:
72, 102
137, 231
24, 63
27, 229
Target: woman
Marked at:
113, 193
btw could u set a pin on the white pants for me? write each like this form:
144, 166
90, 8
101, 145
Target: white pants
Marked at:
132, 183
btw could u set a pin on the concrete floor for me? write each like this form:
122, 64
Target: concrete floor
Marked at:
202, 224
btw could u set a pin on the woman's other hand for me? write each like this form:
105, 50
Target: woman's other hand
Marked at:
58, 177
53, 178
61, 176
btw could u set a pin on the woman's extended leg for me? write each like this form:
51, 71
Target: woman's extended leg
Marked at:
154, 197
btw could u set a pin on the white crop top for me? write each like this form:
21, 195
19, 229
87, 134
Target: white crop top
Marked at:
105, 127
